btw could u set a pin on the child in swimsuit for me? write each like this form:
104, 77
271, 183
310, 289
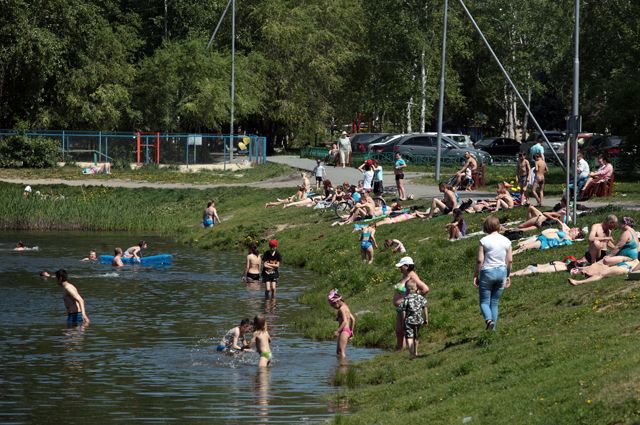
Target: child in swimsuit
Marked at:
229, 343
368, 242
458, 227
261, 340
414, 315
346, 320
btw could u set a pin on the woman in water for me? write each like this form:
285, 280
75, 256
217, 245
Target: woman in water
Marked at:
261, 339
627, 247
407, 268
368, 242
346, 320
254, 261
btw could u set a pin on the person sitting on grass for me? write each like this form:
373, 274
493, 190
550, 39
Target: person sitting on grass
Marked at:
551, 238
503, 200
346, 322
600, 270
447, 204
300, 195
627, 247
394, 245
600, 239
368, 242
414, 315
364, 209
539, 220
458, 227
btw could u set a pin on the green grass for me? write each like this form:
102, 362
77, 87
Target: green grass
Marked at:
155, 174
561, 355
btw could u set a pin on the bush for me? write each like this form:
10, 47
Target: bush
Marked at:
22, 151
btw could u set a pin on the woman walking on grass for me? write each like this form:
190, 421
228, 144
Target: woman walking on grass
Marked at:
407, 268
493, 267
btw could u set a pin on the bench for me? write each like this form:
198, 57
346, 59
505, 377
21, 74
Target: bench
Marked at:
478, 177
601, 189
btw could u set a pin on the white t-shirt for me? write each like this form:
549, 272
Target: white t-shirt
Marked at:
495, 248
367, 178
583, 168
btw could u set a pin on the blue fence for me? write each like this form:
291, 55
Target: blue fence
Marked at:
160, 148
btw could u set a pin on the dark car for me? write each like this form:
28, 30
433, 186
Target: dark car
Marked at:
557, 139
426, 144
611, 146
386, 145
503, 146
360, 141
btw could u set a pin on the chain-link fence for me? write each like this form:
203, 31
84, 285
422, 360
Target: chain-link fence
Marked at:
153, 148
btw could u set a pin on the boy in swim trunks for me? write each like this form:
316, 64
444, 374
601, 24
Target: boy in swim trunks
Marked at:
270, 265
522, 171
229, 343
73, 302
346, 320
261, 340
414, 315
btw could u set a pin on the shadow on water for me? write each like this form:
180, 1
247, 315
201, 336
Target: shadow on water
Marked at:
149, 354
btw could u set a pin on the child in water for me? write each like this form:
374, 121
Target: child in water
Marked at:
414, 314
117, 258
229, 343
346, 320
261, 340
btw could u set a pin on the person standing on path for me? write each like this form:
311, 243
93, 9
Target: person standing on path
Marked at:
523, 171
320, 173
536, 149
378, 185
344, 144
73, 302
270, 265
493, 267
538, 184
398, 170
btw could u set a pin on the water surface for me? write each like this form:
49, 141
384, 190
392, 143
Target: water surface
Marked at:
148, 355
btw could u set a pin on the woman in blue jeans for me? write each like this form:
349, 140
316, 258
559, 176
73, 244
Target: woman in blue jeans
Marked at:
492, 270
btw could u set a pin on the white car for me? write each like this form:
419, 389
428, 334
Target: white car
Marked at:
462, 139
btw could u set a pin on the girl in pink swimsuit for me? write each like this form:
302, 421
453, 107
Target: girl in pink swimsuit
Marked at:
346, 320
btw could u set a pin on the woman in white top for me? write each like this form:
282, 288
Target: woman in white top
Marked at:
492, 270
367, 175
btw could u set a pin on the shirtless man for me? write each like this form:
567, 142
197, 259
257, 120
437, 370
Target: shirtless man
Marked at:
470, 164
538, 185
117, 258
600, 239
134, 251
522, 172
76, 311
447, 205
92, 256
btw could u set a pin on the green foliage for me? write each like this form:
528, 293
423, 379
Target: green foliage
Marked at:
22, 151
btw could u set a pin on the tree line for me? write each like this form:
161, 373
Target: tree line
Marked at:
303, 67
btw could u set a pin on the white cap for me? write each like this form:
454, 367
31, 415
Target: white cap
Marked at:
344, 133
27, 189
405, 261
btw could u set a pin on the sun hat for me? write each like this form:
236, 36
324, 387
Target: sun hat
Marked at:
27, 189
344, 133
333, 296
273, 243
405, 261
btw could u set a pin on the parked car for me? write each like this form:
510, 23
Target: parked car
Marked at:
360, 141
612, 146
462, 139
499, 146
426, 144
386, 145
556, 138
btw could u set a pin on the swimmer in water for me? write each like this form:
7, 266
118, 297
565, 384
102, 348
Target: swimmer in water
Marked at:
92, 257
134, 251
346, 320
254, 261
45, 274
117, 259
19, 246
261, 340
76, 310
229, 343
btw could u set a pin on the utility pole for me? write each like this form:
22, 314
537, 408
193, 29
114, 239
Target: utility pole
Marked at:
441, 100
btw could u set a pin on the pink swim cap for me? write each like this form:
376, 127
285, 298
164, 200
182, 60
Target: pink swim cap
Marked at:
333, 296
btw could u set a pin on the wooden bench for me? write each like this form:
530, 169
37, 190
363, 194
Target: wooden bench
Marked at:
478, 177
600, 190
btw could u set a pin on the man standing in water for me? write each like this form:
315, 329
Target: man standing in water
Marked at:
76, 312
270, 264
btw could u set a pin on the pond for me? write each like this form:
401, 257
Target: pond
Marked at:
148, 355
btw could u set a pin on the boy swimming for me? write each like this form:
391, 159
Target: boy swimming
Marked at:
229, 342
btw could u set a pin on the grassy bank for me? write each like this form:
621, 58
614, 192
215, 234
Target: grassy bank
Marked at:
561, 354
154, 174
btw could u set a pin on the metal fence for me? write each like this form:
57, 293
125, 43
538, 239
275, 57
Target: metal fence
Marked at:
153, 148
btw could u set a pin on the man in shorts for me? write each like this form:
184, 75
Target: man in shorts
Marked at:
600, 239
270, 265
76, 311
